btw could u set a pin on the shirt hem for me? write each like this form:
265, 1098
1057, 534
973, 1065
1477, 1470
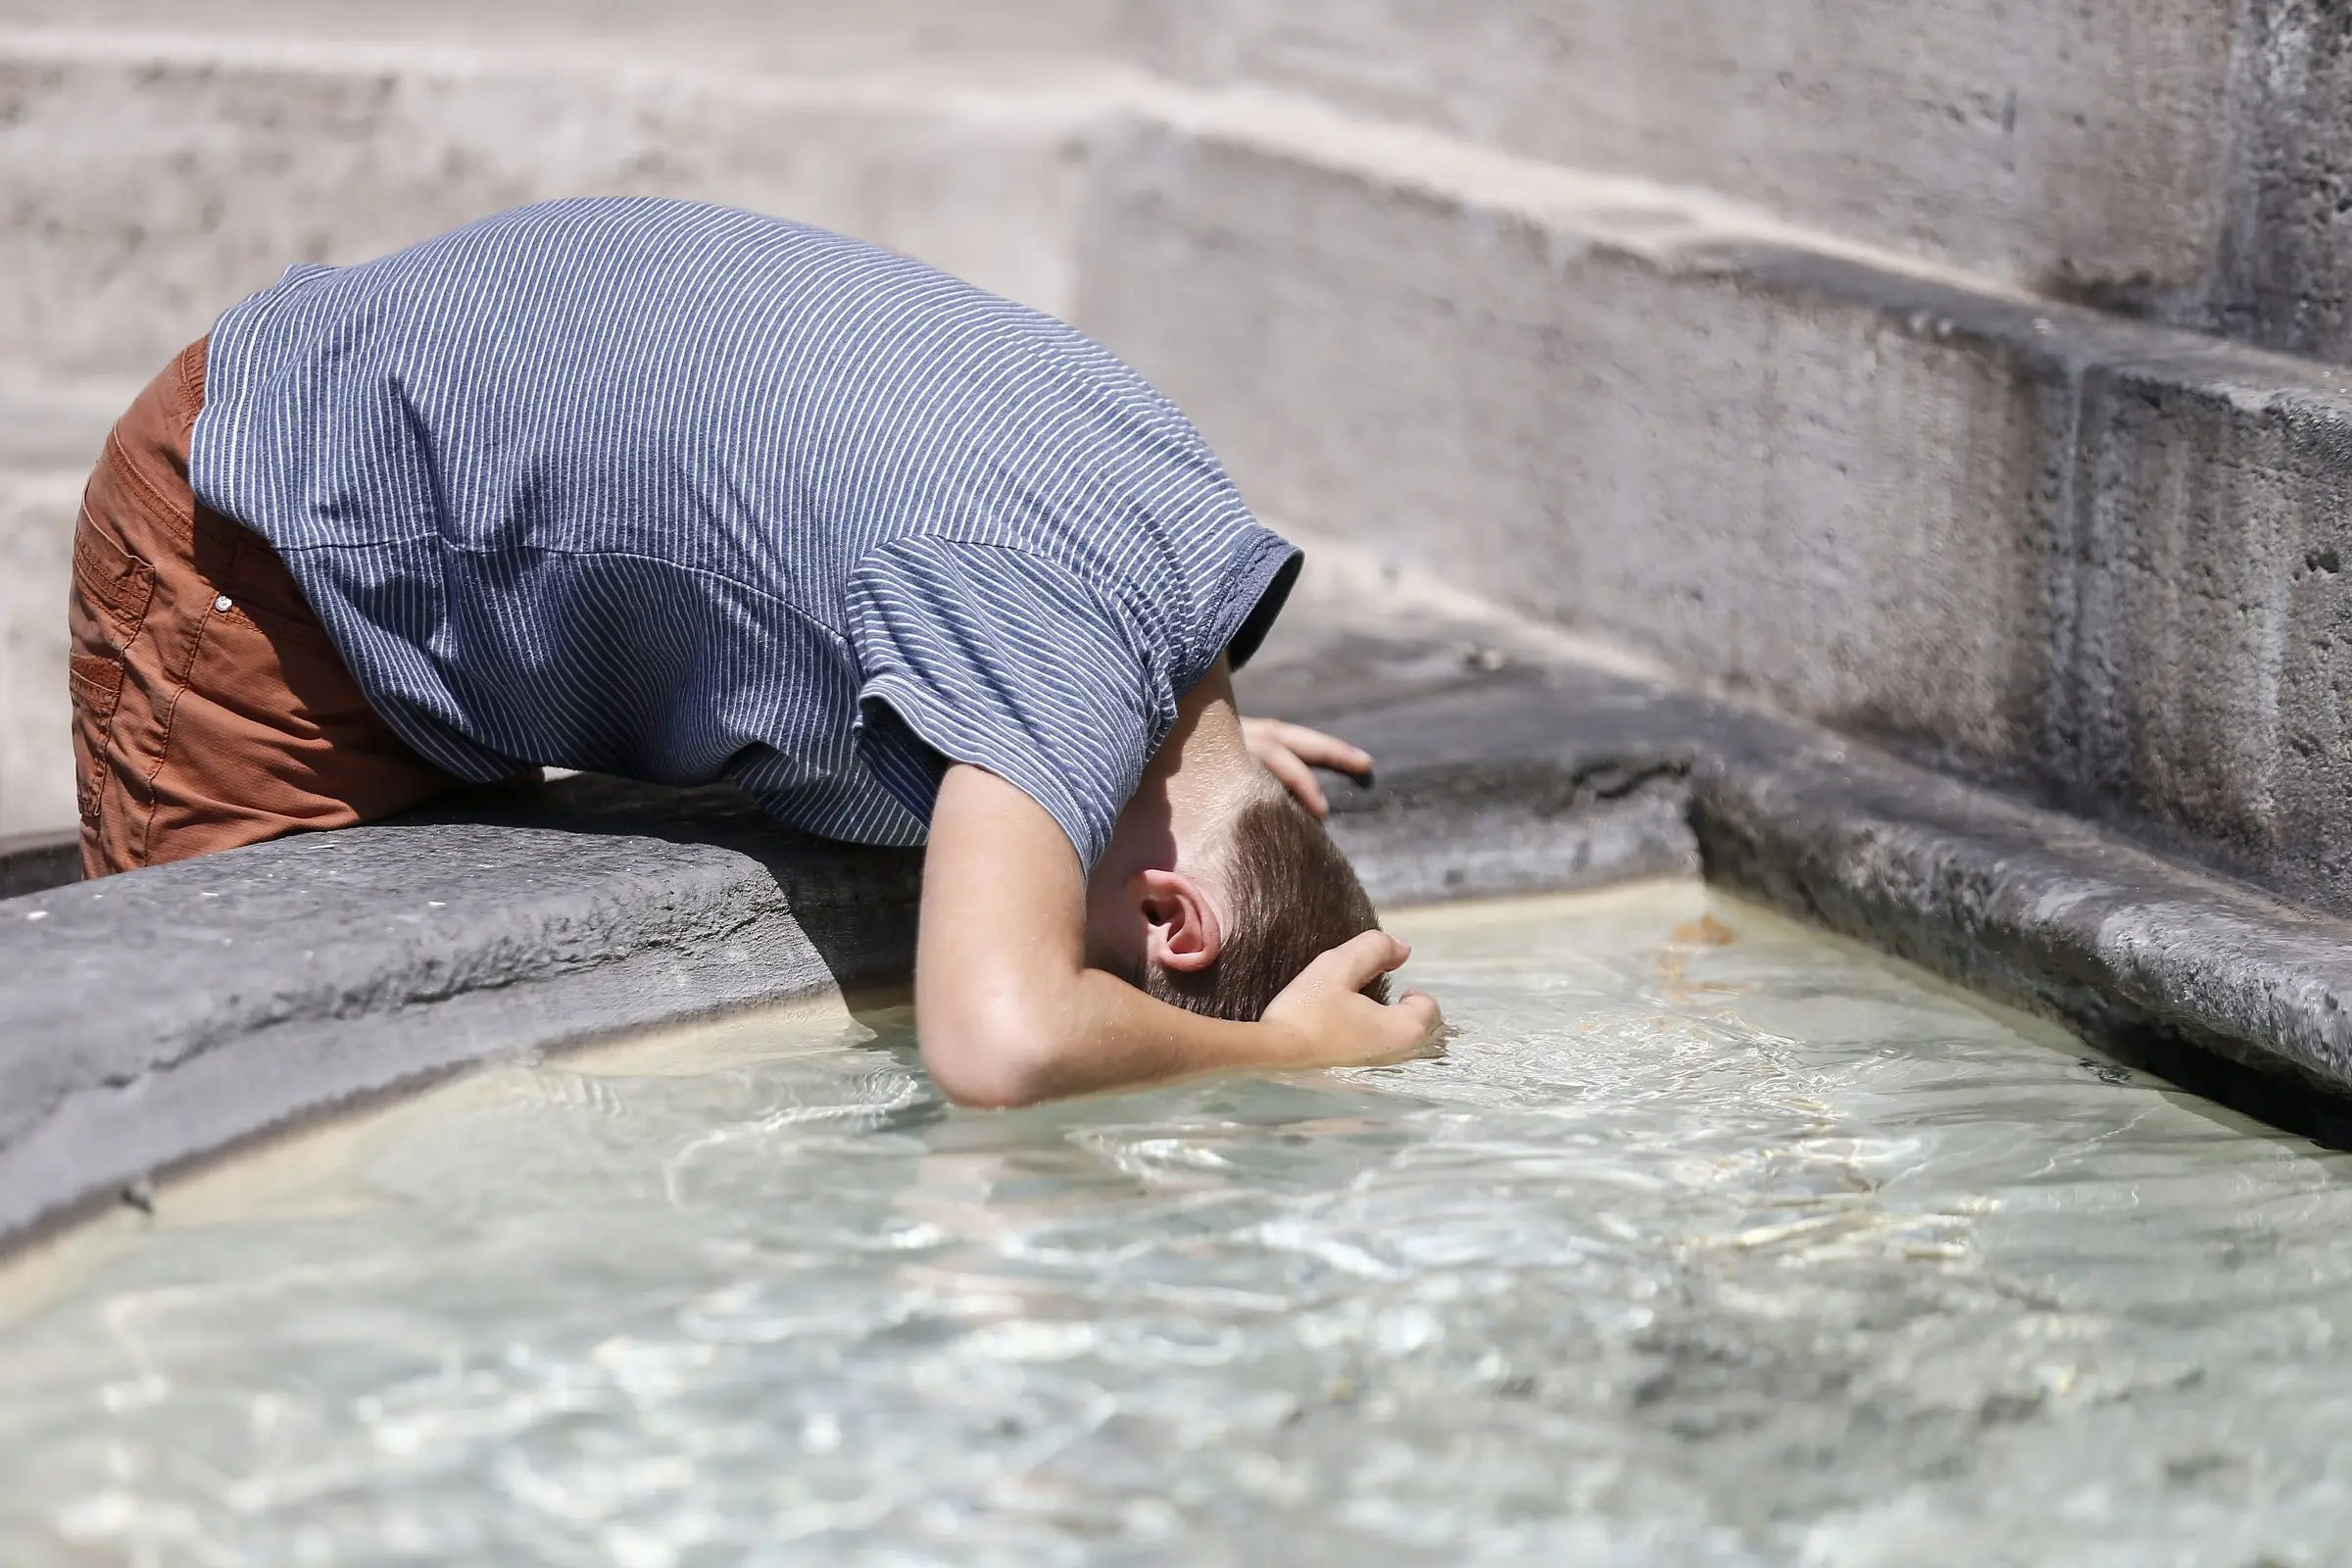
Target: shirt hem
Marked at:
1253, 599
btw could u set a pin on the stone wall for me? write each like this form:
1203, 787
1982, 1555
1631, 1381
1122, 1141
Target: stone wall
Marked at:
2178, 159
1959, 375
2041, 143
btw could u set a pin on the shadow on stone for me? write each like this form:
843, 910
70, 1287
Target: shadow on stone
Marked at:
856, 903
35, 863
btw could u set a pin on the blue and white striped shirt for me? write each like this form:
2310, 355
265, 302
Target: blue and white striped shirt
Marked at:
683, 493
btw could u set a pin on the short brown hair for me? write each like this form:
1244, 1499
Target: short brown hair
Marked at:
1295, 897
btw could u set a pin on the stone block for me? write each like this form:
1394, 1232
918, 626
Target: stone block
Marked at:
2282, 274
1783, 491
2047, 144
36, 544
146, 187
2084, 558
760, 34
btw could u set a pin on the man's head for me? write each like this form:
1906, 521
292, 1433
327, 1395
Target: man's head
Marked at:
1218, 887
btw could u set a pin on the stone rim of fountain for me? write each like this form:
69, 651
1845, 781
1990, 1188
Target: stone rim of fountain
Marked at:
162, 1019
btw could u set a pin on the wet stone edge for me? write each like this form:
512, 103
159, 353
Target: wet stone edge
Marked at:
2219, 987
152, 1021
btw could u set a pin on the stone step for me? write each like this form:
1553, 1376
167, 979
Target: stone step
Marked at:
793, 35
2190, 162
2094, 560
150, 181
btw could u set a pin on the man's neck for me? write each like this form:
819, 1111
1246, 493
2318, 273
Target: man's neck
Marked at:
1204, 765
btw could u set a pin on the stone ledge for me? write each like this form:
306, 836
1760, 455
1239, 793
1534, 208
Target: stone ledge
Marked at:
1513, 758
154, 1020
2209, 983
35, 862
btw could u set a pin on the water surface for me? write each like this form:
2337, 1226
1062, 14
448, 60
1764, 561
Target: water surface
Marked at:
1710, 1241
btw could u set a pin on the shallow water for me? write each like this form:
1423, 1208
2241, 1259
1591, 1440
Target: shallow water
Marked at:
1711, 1241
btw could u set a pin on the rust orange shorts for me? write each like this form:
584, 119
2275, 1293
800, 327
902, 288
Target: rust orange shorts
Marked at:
209, 711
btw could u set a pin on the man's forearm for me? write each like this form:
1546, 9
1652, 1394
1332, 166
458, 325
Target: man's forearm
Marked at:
1009, 1012
1098, 1032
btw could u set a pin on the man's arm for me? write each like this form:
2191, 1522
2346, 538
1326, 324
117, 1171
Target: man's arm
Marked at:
1009, 1012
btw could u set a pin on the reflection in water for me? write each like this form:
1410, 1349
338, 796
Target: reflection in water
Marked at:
1711, 1241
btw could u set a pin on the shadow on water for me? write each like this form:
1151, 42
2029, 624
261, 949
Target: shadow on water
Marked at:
2229, 1092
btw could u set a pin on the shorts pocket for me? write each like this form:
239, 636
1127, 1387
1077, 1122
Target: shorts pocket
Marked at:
113, 592
97, 687
117, 583
97, 684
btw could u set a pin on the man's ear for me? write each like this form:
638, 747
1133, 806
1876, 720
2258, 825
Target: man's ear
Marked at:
1181, 931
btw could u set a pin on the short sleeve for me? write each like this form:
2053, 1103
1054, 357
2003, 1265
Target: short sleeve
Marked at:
996, 657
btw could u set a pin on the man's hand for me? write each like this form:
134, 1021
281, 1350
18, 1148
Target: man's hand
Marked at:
1292, 753
1337, 1023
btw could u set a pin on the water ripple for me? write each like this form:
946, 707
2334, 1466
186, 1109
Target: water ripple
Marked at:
1708, 1242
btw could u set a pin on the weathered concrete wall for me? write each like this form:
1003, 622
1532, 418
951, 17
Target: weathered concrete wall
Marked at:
2189, 160
741, 34
2283, 276
36, 543
149, 185
2083, 556
2091, 559
1748, 481
2046, 143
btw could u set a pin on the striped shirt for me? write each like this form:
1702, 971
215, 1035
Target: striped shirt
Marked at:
682, 493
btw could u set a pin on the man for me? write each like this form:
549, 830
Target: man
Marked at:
682, 493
